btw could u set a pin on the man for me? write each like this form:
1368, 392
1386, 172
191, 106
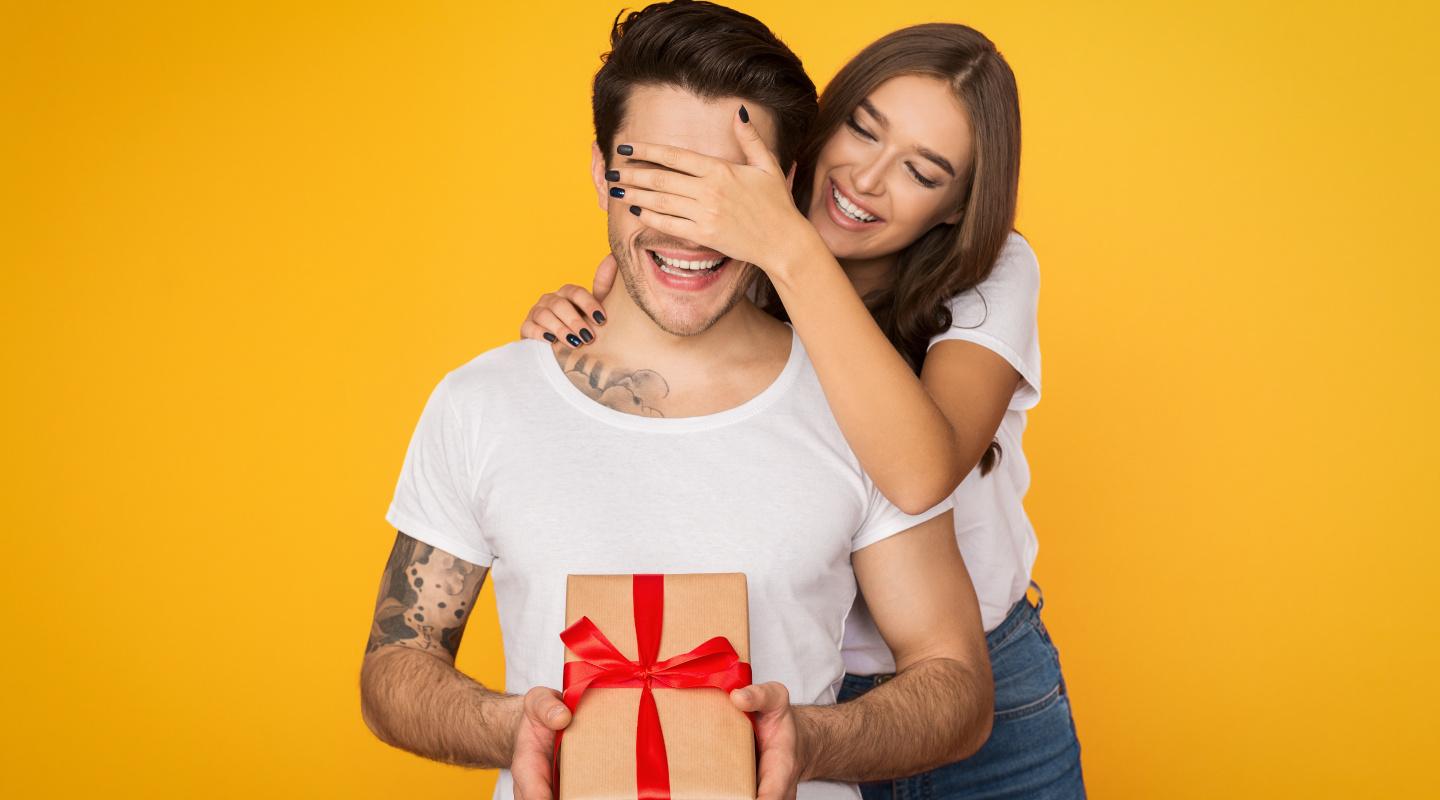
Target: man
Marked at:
695, 438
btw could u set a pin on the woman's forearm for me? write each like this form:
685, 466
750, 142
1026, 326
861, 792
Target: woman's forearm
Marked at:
904, 442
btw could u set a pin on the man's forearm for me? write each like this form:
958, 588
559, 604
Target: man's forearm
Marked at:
417, 702
935, 712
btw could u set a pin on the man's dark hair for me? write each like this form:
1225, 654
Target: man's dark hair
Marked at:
710, 51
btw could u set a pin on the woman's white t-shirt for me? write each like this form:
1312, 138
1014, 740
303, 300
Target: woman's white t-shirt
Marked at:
991, 527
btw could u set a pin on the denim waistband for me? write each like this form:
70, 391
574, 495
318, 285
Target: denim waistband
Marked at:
1019, 614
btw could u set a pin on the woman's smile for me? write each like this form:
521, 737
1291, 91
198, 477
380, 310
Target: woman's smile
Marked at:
848, 213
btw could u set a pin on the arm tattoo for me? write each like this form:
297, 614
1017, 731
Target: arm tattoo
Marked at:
426, 596
636, 391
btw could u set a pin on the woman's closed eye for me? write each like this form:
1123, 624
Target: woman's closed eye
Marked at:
921, 179
859, 131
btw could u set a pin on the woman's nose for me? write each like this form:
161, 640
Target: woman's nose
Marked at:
868, 178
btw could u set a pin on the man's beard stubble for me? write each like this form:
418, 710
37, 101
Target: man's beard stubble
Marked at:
631, 274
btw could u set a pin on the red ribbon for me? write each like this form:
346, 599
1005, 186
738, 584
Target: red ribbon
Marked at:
712, 664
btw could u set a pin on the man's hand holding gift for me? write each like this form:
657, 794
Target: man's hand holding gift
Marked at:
781, 761
530, 767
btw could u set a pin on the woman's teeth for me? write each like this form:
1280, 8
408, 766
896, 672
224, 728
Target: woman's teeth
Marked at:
685, 269
849, 209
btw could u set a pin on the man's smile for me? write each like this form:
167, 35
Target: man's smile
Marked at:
686, 269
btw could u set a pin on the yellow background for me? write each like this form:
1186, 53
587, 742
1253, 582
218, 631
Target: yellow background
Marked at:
241, 242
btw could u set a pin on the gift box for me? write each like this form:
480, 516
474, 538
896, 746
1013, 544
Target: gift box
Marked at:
650, 661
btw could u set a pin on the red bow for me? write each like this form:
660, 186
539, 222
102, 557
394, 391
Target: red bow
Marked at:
713, 664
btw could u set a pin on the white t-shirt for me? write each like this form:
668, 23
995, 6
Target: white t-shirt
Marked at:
513, 467
991, 527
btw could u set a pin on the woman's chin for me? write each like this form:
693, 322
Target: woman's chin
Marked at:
842, 244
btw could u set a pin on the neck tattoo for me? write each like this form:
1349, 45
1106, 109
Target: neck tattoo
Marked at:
633, 391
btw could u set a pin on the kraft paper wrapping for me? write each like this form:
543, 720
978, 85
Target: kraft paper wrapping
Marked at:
709, 743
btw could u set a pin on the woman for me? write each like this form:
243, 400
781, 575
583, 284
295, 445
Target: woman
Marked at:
908, 191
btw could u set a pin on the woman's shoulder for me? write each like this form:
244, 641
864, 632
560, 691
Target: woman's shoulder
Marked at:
1017, 260
1001, 314
1014, 280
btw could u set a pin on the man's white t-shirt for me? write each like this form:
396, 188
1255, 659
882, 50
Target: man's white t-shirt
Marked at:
991, 527
513, 467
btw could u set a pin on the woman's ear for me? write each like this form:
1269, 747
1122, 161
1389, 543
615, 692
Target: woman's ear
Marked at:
597, 174
956, 217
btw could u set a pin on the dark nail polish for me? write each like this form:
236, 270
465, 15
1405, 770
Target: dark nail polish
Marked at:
612, 174
635, 210
572, 339
616, 191
625, 150
586, 334
744, 115
550, 337
599, 317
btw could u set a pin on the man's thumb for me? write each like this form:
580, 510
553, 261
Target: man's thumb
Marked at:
545, 707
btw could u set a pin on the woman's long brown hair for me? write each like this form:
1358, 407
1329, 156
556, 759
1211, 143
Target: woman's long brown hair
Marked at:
948, 259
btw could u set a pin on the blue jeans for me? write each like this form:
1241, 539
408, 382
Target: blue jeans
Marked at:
1032, 752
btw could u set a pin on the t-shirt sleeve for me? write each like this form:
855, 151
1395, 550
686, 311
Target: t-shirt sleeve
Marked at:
1001, 314
433, 498
884, 519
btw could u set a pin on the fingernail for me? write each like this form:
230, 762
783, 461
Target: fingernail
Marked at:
635, 210
554, 712
744, 115
616, 191
586, 334
612, 174
624, 149
599, 317
572, 339
550, 337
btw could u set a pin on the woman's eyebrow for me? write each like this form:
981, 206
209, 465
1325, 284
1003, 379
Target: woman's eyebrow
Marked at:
874, 112
940, 161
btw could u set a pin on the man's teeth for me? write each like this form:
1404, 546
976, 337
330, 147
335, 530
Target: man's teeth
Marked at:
683, 268
850, 209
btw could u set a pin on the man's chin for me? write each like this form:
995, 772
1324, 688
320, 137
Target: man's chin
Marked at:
684, 319
684, 305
